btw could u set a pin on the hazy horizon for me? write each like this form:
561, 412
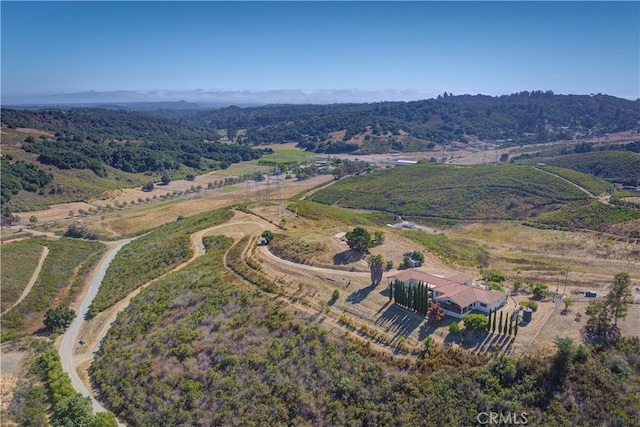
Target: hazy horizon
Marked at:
240, 98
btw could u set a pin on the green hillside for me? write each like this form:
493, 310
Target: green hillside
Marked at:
590, 183
614, 166
455, 193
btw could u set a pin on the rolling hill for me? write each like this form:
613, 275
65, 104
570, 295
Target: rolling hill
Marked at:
449, 194
621, 167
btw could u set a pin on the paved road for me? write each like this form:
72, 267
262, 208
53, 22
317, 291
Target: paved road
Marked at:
199, 250
33, 279
70, 337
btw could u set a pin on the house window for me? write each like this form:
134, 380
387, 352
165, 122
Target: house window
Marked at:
483, 304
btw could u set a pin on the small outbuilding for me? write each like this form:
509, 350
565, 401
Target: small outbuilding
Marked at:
406, 162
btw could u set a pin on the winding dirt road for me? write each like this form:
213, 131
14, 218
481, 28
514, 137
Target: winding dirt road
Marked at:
33, 279
76, 357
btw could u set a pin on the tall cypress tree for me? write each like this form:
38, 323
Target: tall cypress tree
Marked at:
500, 323
493, 327
415, 299
515, 328
405, 296
510, 324
489, 321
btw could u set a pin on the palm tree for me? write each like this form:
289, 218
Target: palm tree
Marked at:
376, 265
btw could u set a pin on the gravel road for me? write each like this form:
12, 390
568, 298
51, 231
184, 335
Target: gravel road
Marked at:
71, 338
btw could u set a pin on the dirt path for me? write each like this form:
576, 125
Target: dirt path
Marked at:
33, 279
268, 254
604, 200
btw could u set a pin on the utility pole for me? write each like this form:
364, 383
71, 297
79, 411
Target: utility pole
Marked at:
566, 278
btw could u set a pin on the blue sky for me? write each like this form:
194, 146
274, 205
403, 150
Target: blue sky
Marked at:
421, 48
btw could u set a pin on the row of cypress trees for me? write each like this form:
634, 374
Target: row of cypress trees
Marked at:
507, 325
414, 298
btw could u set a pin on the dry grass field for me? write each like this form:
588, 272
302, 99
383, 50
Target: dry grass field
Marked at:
137, 217
522, 253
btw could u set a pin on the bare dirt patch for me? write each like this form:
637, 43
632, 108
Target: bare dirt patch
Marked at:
570, 323
11, 363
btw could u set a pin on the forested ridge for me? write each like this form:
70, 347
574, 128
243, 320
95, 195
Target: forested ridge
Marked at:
190, 140
523, 117
99, 139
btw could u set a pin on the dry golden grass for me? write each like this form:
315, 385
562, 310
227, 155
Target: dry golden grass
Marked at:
139, 217
544, 255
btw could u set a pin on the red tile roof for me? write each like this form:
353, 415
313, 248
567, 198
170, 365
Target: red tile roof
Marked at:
453, 286
421, 276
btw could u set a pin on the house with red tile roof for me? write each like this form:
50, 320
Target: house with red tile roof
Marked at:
456, 293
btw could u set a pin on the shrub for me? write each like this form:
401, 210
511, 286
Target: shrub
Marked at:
517, 285
475, 322
417, 256
539, 289
531, 304
57, 319
493, 275
81, 232
435, 313
495, 285
454, 328
268, 236
359, 239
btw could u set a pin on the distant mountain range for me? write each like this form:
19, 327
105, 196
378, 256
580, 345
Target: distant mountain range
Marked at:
214, 98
